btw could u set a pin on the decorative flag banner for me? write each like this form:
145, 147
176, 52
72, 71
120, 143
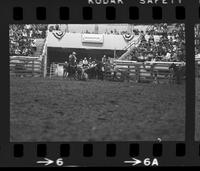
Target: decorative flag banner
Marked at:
58, 34
133, 43
128, 37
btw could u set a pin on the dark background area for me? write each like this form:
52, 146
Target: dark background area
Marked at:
62, 54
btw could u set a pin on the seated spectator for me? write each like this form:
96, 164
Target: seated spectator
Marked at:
85, 62
90, 60
104, 59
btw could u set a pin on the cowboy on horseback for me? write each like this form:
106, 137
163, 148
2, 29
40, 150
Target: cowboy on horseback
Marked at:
72, 59
72, 65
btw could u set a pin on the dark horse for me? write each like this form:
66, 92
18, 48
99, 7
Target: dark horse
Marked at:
96, 72
100, 70
70, 70
91, 72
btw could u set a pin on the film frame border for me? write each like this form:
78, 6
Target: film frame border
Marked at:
169, 149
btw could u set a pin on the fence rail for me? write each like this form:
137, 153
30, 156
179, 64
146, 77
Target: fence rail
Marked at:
151, 71
25, 66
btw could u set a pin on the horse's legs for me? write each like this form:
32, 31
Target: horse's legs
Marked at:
75, 75
102, 76
69, 74
64, 74
169, 78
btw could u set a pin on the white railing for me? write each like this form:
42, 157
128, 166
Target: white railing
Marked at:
44, 49
24, 57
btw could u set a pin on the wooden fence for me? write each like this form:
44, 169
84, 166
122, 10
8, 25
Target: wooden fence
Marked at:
131, 71
26, 66
148, 71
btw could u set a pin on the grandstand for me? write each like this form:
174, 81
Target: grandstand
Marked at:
27, 40
53, 43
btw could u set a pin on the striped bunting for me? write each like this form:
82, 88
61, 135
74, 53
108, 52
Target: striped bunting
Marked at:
58, 34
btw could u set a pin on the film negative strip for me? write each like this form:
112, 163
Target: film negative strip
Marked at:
100, 83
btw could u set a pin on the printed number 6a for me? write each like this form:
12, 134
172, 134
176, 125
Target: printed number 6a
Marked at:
59, 162
148, 162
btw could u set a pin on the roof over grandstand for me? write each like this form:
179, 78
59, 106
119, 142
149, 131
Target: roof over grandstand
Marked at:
102, 28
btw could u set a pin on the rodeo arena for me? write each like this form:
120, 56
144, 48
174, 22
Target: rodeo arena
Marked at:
97, 82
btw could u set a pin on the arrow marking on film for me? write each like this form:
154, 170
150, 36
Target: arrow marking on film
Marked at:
46, 162
134, 162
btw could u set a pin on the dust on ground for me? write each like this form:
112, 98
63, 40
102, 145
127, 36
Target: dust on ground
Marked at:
68, 110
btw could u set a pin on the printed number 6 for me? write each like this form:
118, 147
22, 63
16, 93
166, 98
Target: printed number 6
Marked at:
147, 162
59, 162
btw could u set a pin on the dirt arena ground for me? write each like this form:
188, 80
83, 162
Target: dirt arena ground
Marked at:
63, 110
197, 132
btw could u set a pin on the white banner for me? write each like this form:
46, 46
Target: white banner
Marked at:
92, 38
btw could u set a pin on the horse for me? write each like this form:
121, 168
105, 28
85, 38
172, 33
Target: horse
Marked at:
70, 70
100, 70
81, 73
91, 72
78, 72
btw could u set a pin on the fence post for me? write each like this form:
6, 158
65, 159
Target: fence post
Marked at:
41, 67
155, 74
128, 74
50, 70
44, 65
196, 69
152, 72
33, 68
137, 73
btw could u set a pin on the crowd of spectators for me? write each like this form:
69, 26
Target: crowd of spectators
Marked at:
22, 38
169, 47
115, 32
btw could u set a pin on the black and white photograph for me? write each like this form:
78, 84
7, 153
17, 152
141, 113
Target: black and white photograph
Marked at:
98, 82
197, 79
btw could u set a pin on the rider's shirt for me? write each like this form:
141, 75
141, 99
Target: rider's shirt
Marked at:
85, 62
104, 60
72, 59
